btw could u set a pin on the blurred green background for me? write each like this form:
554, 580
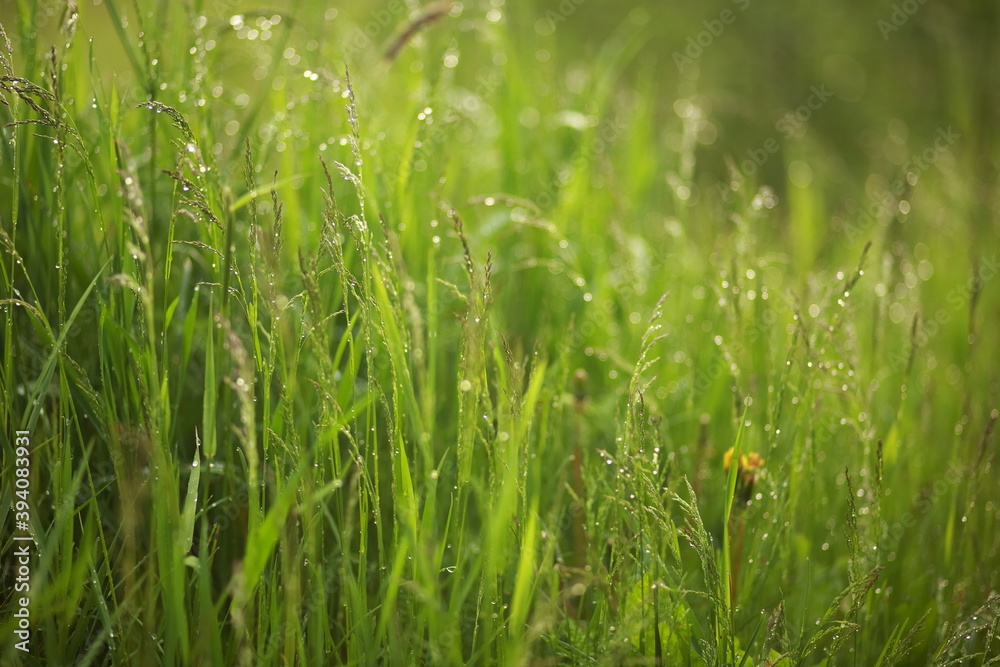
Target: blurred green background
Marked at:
896, 73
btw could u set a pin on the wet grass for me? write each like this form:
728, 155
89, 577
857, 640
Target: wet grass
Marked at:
466, 357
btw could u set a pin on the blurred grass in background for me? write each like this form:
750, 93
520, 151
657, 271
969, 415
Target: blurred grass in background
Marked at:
330, 370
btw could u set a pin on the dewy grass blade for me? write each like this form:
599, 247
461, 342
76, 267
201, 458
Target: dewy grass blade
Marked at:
728, 594
30, 417
186, 531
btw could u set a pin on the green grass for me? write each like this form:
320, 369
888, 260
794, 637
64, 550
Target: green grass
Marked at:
437, 361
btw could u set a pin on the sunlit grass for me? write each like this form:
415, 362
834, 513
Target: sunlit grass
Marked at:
447, 358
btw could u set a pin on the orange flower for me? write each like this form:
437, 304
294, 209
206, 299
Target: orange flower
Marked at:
748, 466
748, 462
754, 461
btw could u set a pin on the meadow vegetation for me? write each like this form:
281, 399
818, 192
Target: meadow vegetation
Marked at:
502, 333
